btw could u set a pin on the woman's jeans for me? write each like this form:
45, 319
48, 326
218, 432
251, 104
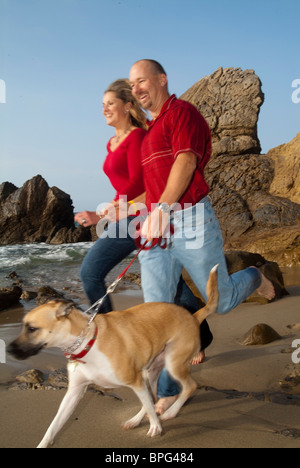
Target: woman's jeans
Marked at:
197, 246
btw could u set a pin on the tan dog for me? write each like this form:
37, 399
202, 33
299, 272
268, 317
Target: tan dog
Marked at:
127, 348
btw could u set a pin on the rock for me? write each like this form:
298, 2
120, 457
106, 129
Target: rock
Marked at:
246, 187
9, 297
251, 218
58, 379
261, 334
230, 100
28, 295
294, 326
32, 376
238, 260
291, 383
37, 213
6, 189
286, 163
46, 294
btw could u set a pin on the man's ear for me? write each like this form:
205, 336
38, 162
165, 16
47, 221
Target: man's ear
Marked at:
163, 79
64, 309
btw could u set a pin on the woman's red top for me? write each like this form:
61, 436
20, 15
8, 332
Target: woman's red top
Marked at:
123, 166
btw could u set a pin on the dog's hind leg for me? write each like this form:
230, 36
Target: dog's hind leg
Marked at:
68, 405
182, 375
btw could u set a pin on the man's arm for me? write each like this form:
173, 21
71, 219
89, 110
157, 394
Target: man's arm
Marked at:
180, 178
178, 182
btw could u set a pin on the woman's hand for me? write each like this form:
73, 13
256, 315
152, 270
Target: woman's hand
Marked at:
87, 218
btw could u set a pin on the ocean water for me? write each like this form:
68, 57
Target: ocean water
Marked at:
57, 266
39, 265
42, 264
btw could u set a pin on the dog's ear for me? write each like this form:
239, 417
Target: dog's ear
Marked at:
64, 309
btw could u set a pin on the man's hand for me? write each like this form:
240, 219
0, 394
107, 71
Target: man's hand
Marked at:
155, 225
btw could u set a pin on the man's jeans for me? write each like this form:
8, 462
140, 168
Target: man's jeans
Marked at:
197, 246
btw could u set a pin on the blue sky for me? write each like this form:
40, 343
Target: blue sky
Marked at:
58, 56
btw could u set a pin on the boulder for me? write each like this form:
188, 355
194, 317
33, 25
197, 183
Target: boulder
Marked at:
37, 213
33, 376
9, 297
247, 187
286, 162
230, 100
46, 294
261, 334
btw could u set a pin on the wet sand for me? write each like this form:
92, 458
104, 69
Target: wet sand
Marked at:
240, 401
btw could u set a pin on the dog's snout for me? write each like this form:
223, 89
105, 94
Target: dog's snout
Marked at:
23, 351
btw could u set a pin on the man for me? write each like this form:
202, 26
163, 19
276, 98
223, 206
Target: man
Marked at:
175, 152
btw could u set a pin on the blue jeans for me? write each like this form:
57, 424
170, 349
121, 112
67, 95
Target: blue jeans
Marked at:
197, 246
110, 249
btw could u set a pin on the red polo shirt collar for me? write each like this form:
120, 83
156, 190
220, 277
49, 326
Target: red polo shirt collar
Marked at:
164, 109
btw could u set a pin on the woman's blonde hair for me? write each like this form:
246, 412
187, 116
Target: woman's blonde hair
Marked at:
122, 90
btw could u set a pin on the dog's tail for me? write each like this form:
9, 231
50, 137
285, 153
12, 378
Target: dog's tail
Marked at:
213, 296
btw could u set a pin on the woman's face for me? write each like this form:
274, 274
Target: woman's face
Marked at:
114, 110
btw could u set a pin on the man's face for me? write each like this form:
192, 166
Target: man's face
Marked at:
147, 87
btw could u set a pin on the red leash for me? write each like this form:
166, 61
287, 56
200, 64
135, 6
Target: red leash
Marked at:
69, 353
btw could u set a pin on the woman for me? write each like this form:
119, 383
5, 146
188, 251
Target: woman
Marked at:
122, 166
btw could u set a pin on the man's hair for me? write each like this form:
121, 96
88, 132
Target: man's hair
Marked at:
158, 69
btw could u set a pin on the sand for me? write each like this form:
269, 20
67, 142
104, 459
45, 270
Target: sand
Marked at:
257, 414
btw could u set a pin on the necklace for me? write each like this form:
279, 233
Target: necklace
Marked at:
117, 138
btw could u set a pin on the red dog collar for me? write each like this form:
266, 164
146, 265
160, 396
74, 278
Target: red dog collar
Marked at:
84, 352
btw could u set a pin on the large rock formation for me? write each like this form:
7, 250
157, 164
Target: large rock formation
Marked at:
230, 100
286, 162
37, 213
243, 181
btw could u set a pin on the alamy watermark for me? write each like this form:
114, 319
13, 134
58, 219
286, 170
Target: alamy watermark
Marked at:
296, 354
2, 92
187, 223
296, 93
2, 352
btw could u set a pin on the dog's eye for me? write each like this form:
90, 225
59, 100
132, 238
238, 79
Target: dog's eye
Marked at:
32, 329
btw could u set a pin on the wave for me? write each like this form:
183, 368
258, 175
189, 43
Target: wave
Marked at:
12, 257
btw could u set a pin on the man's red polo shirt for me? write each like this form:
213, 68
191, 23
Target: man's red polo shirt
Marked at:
179, 128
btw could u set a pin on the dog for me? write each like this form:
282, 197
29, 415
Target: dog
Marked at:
127, 348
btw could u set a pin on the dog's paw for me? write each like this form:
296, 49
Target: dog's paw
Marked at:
154, 430
131, 424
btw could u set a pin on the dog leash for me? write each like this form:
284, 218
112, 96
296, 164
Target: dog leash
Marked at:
161, 242
69, 352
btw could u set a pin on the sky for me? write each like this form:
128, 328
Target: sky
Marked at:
57, 57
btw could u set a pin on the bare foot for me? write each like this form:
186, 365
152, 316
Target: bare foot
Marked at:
266, 288
165, 403
198, 359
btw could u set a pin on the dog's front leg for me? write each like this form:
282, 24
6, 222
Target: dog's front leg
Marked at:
149, 408
68, 405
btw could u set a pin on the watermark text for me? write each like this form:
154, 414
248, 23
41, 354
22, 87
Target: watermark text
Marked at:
2, 92
183, 222
2, 352
296, 354
296, 93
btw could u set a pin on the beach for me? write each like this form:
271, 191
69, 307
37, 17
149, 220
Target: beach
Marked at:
248, 396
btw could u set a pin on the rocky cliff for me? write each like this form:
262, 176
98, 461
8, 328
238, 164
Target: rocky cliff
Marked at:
37, 213
285, 160
255, 195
